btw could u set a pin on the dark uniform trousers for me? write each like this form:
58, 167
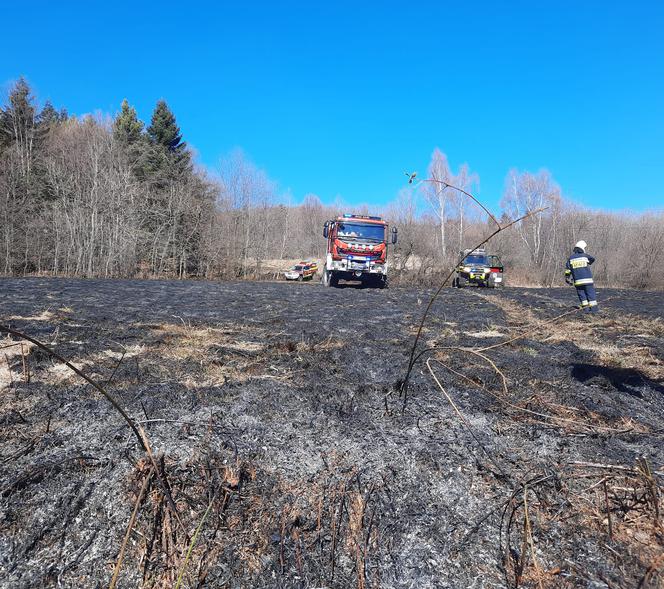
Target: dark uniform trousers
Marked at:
578, 268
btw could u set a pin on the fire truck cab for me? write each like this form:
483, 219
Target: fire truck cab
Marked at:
357, 250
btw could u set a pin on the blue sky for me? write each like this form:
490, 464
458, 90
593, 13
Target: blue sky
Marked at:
340, 98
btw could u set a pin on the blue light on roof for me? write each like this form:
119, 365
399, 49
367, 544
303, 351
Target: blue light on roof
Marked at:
351, 216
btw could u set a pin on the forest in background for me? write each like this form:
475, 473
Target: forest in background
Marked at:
102, 196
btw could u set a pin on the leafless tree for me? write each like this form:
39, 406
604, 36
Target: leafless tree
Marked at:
437, 194
524, 193
76, 200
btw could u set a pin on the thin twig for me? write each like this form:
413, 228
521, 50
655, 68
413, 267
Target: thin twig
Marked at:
503, 399
80, 373
411, 361
192, 544
604, 466
130, 527
10, 345
529, 537
608, 510
182, 423
447, 185
137, 430
463, 419
110, 379
9, 370
527, 332
26, 368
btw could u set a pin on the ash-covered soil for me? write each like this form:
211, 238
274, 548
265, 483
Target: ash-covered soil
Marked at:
528, 451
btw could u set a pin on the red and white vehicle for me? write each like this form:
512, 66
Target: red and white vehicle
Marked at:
301, 271
357, 250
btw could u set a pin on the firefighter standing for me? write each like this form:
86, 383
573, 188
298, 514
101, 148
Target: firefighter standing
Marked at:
578, 273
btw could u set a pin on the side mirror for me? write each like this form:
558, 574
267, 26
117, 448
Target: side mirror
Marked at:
326, 229
394, 234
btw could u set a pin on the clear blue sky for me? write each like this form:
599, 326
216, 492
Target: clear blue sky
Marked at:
341, 98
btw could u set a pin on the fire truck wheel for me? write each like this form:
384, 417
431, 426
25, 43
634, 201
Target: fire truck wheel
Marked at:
300, 278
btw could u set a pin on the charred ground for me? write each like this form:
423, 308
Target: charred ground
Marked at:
277, 406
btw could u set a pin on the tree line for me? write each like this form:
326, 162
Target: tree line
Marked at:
100, 196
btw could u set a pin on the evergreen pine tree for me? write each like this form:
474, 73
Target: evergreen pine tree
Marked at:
48, 118
169, 154
18, 131
163, 129
17, 119
48, 115
127, 129
47, 121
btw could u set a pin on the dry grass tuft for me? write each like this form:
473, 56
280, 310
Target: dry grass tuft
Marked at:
608, 337
255, 519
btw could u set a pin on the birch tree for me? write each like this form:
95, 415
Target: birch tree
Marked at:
437, 194
524, 193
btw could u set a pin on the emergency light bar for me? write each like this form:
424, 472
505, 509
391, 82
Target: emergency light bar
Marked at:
349, 216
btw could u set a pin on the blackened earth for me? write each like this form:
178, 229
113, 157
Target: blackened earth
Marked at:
289, 397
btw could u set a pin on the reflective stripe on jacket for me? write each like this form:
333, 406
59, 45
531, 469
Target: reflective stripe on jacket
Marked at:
578, 266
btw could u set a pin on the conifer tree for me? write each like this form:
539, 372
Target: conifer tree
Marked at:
163, 129
169, 155
127, 128
17, 119
128, 131
50, 116
47, 120
18, 123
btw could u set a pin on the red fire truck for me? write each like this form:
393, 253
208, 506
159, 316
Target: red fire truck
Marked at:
357, 250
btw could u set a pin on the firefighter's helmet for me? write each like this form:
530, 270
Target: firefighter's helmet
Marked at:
582, 245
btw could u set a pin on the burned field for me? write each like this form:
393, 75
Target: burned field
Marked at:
528, 451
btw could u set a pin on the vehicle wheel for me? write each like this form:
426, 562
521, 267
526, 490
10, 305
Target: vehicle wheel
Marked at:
300, 278
461, 282
334, 280
383, 282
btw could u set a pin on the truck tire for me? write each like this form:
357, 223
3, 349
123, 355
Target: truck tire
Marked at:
300, 278
461, 282
384, 282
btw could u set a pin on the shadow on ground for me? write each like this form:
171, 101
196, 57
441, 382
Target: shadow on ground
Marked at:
625, 380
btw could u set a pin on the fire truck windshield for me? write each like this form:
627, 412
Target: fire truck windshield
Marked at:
368, 232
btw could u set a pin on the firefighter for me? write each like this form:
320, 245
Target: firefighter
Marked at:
578, 273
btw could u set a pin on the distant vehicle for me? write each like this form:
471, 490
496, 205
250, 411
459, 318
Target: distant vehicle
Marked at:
300, 272
479, 269
357, 250
312, 263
